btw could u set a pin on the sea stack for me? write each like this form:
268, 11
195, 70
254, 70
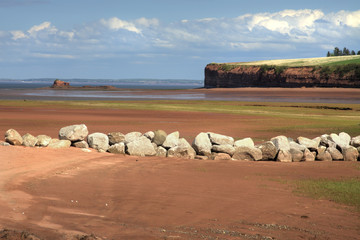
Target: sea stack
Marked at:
60, 84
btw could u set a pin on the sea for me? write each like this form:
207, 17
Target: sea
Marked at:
119, 83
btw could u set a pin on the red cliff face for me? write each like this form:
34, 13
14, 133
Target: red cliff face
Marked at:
60, 84
255, 76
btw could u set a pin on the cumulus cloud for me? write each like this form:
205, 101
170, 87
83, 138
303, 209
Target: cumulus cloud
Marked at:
18, 35
117, 24
287, 30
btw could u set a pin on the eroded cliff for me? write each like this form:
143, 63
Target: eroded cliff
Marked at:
230, 76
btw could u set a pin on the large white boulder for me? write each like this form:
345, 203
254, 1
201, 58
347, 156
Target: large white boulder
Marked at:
13, 137
220, 139
281, 143
98, 141
141, 147
171, 140
202, 144
74, 132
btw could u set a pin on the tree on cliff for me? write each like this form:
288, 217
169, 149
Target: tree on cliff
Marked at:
344, 52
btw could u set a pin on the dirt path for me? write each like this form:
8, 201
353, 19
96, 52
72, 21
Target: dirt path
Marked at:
57, 194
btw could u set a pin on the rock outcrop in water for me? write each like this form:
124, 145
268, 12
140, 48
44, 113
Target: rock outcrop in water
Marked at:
60, 84
231, 76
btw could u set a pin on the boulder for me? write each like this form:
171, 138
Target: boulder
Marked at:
335, 154
117, 148
132, 136
150, 135
183, 150
29, 140
308, 143
321, 150
219, 139
350, 153
340, 142
297, 146
116, 137
4, 144
296, 155
355, 141
160, 151
74, 132
221, 156
308, 156
98, 141
225, 148
324, 156
171, 140
159, 137
179, 152
13, 137
80, 144
43, 140
246, 142
284, 156
281, 143
317, 140
202, 144
247, 154
268, 150
326, 141
345, 137
141, 147
56, 143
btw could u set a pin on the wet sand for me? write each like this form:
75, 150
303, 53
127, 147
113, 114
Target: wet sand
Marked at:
315, 95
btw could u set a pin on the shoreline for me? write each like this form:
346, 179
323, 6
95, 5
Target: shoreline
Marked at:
308, 95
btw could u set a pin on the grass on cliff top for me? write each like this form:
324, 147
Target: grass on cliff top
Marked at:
303, 62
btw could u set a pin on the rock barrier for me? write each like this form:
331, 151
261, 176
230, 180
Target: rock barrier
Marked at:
206, 145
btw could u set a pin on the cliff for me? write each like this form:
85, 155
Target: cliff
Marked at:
231, 76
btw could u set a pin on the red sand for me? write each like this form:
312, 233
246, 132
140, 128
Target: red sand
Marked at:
58, 194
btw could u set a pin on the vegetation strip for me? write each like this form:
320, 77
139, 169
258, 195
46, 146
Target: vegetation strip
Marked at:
343, 191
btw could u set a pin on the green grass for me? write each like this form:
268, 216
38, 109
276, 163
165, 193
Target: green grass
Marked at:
345, 191
302, 62
340, 65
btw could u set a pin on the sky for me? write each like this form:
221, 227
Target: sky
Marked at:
165, 39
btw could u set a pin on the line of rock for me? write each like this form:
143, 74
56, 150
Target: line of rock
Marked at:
208, 145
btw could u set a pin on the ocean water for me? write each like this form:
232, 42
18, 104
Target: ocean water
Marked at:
119, 83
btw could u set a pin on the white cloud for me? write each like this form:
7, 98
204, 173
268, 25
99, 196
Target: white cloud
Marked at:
43, 26
117, 24
353, 19
18, 35
286, 22
48, 55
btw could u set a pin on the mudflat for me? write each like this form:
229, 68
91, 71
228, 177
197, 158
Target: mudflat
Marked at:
67, 193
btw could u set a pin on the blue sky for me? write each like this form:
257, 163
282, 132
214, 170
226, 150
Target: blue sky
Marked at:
164, 38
